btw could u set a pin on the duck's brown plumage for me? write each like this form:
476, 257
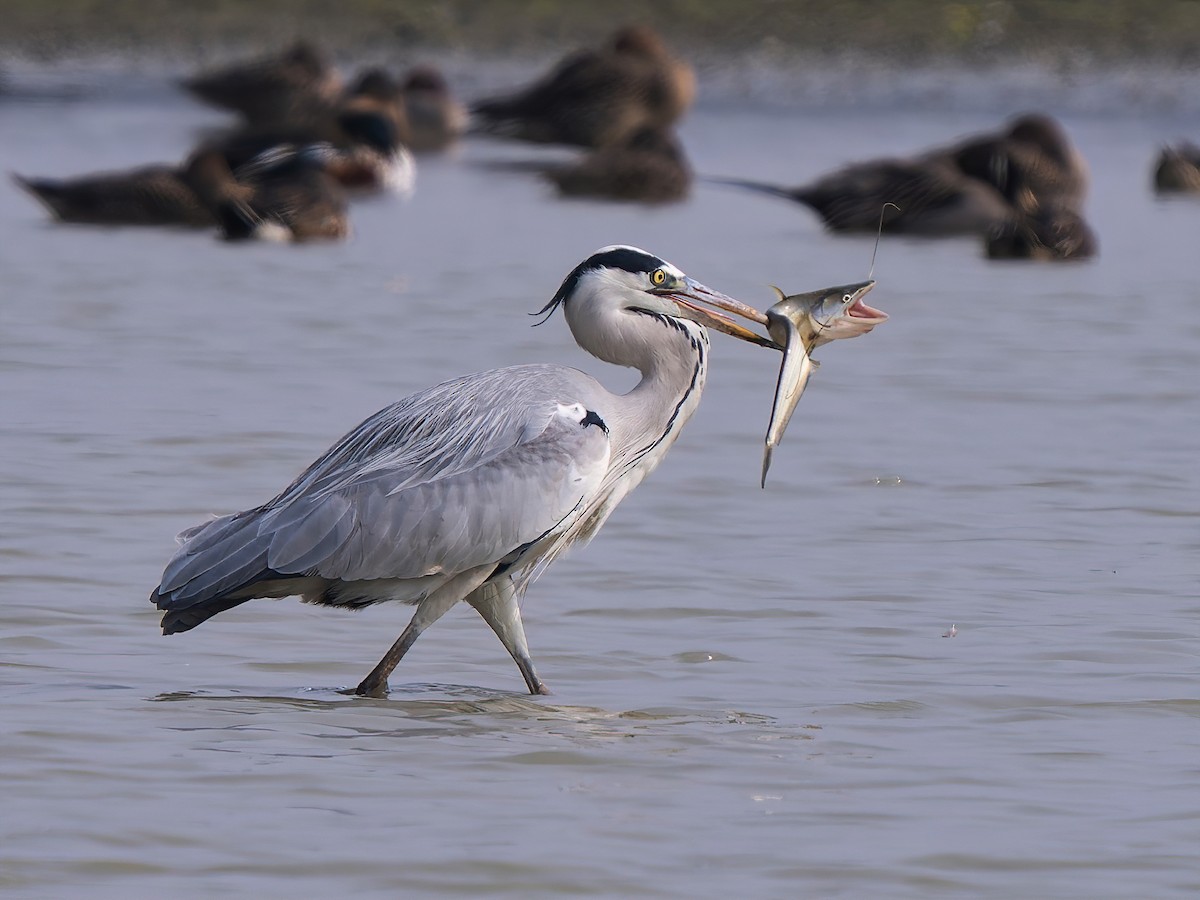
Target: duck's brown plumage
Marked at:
285, 188
648, 167
1177, 169
1055, 232
1033, 148
597, 97
366, 129
974, 186
148, 195
928, 198
374, 91
268, 88
435, 118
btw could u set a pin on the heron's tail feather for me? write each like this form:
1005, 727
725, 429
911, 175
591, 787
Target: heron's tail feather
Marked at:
177, 620
215, 564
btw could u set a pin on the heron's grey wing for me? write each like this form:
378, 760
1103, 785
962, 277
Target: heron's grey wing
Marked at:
454, 477
442, 526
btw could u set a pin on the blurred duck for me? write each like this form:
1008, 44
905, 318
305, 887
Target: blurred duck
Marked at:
270, 87
1177, 170
368, 153
597, 97
435, 118
373, 158
1033, 147
283, 194
149, 195
924, 197
1054, 232
972, 187
373, 89
649, 167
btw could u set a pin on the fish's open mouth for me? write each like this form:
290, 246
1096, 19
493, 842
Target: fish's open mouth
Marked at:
855, 318
862, 311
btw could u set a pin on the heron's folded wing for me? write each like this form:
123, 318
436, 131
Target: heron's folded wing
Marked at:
390, 525
456, 476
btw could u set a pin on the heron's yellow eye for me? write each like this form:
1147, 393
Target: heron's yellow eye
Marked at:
658, 277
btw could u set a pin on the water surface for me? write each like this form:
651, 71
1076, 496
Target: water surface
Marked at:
752, 694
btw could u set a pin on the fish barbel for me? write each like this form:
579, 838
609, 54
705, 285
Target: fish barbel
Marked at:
800, 323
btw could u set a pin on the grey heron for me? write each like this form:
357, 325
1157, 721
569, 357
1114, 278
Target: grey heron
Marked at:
468, 490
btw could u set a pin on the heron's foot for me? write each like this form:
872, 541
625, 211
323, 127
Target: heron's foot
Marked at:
370, 687
540, 689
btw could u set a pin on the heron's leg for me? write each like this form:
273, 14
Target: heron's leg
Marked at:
496, 601
429, 610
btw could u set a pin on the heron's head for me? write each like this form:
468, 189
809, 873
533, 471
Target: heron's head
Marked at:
627, 282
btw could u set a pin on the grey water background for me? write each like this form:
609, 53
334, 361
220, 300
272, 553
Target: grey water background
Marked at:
752, 694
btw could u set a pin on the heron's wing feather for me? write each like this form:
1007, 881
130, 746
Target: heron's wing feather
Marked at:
397, 526
454, 477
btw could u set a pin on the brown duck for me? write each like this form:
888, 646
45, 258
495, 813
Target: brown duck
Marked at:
283, 194
148, 195
367, 128
269, 87
971, 187
923, 197
1177, 170
435, 118
1033, 148
597, 97
648, 167
1054, 232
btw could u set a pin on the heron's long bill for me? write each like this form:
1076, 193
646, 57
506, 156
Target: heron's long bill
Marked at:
703, 305
800, 323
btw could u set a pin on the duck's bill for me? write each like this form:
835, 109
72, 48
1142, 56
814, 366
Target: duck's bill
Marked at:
710, 308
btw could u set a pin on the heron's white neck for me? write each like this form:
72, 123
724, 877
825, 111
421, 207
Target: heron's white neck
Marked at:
673, 377
671, 354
